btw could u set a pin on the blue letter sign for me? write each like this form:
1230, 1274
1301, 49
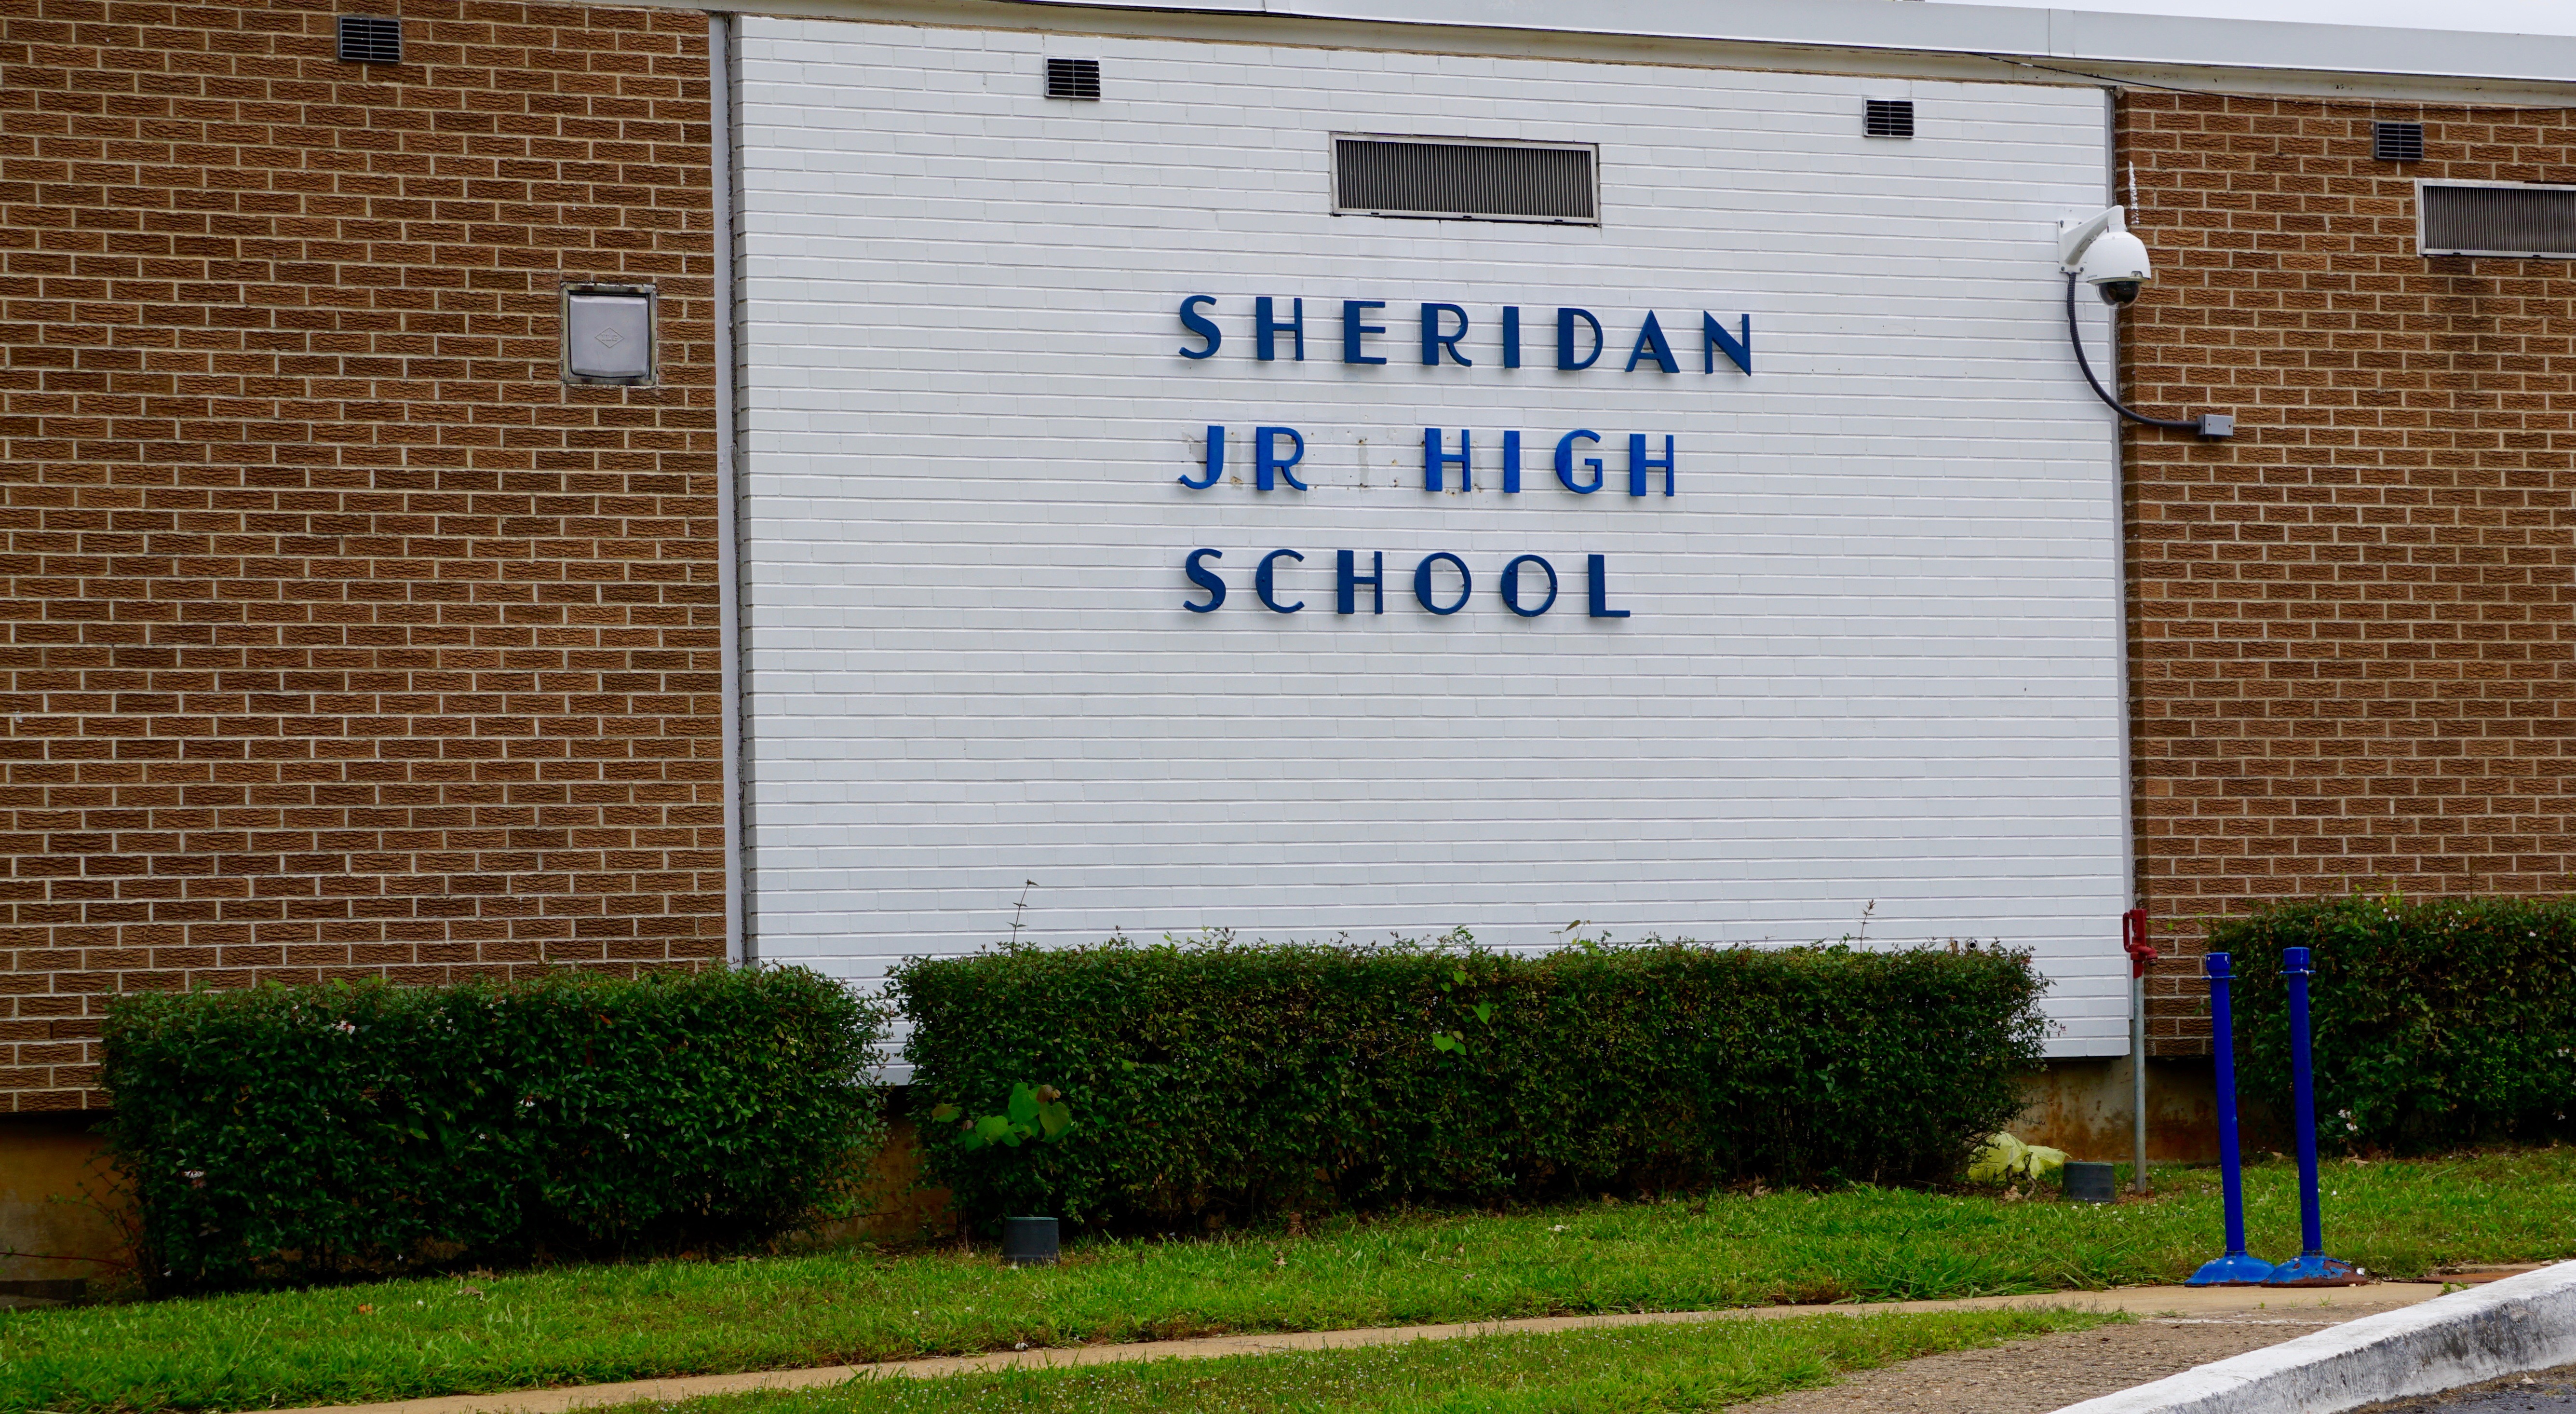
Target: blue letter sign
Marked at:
1639, 464
1422, 582
1206, 579
1713, 337
1433, 341
1512, 586
1347, 580
1565, 462
1352, 329
1268, 468
1265, 329
1200, 325
1215, 461
1434, 458
1264, 585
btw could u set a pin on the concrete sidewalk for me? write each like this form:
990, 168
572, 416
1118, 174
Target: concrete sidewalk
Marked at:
2510, 1327
2138, 1300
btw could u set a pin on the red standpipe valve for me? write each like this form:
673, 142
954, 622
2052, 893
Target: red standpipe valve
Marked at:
2133, 937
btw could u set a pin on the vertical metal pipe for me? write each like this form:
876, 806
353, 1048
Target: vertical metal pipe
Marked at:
2138, 1078
2222, 1036
2134, 920
2312, 1267
2133, 939
2235, 1268
2294, 963
739, 946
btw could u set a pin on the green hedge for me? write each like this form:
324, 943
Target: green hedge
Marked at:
2437, 1023
300, 1133
1224, 1079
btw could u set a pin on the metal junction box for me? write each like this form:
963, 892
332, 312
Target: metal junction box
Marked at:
608, 334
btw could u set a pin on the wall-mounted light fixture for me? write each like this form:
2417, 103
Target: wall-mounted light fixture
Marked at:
2099, 251
608, 334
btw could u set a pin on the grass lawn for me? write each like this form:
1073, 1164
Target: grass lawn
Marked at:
573, 1325
1599, 1372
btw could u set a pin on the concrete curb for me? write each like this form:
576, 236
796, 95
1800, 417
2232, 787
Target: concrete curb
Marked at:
2141, 1300
2521, 1323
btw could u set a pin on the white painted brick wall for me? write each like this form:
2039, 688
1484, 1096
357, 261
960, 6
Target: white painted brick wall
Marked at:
1874, 651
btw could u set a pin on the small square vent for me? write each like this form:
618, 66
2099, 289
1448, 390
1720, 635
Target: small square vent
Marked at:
370, 39
1074, 78
2397, 142
1889, 117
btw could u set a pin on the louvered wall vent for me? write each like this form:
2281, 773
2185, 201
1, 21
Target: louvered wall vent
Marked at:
370, 39
2397, 142
1074, 78
1889, 117
1465, 181
2495, 218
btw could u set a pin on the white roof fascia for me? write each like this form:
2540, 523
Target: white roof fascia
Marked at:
2082, 35
1878, 37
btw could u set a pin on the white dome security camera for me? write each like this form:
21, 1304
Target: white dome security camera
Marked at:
2100, 252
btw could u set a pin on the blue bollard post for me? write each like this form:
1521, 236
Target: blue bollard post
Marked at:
2312, 1267
2236, 1268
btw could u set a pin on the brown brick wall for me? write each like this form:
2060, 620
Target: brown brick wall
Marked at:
341, 639
2352, 623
